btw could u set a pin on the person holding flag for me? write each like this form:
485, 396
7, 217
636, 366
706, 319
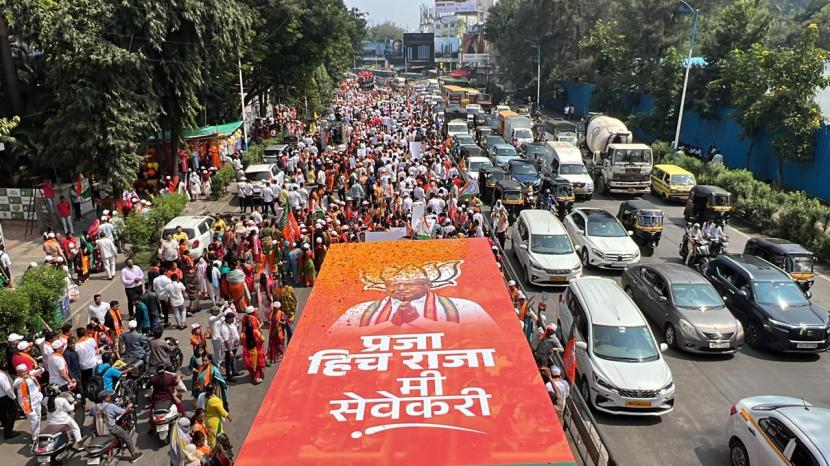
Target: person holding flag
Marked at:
29, 396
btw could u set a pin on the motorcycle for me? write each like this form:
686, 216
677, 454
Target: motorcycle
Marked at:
702, 253
53, 445
163, 415
176, 358
103, 449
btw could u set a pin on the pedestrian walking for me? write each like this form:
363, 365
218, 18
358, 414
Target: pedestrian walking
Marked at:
132, 277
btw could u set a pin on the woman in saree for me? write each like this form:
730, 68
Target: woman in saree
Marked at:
251, 340
237, 289
276, 333
209, 374
288, 304
85, 257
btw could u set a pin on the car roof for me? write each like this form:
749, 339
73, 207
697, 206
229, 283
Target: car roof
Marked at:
813, 422
509, 184
595, 213
478, 158
494, 169
672, 169
757, 268
544, 221
521, 161
676, 273
606, 302
186, 221
504, 145
781, 246
258, 167
276, 147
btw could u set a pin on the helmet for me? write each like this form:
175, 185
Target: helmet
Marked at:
547, 190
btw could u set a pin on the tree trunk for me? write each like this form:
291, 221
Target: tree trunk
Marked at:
174, 148
780, 174
9, 75
749, 152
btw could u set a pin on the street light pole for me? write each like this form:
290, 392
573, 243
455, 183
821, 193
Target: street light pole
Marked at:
686, 78
242, 100
538, 48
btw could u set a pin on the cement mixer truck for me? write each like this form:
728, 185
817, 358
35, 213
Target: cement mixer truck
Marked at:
620, 165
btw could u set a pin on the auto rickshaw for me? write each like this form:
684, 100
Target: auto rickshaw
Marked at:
539, 130
511, 195
708, 203
790, 257
481, 134
487, 179
645, 221
563, 192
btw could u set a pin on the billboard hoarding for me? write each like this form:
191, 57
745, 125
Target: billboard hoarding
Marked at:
446, 47
475, 58
419, 48
472, 43
449, 7
404, 344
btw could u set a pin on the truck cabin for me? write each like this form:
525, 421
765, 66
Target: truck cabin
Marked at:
620, 155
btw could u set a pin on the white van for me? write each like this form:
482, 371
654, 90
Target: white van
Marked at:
620, 367
544, 248
565, 160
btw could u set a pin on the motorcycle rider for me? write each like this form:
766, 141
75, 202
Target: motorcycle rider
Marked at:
693, 238
113, 413
160, 351
715, 233
59, 412
165, 387
547, 201
136, 345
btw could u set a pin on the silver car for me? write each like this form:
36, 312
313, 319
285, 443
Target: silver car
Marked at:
685, 306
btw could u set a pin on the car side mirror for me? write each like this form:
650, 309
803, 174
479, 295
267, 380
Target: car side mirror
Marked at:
630, 233
808, 294
662, 299
582, 345
664, 347
742, 294
523, 246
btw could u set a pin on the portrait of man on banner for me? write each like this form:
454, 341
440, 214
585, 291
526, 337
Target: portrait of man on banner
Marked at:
412, 301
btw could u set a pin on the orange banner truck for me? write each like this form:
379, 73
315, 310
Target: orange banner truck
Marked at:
407, 353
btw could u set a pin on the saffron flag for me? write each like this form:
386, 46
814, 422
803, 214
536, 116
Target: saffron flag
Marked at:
291, 229
569, 359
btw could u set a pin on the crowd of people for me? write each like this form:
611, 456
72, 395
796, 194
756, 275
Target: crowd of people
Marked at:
382, 165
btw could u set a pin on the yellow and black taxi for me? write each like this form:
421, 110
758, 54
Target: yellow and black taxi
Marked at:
707, 202
790, 257
671, 182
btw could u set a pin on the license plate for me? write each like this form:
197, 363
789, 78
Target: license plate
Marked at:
43, 459
579, 190
631, 190
718, 344
558, 278
637, 404
806, 345
93, 461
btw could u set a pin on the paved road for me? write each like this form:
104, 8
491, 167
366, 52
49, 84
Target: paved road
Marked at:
707, 386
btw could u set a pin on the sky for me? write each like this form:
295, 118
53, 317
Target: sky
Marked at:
403, 12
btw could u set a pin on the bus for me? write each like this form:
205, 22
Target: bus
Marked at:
407, 353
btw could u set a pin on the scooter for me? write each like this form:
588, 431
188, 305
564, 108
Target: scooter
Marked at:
102, 450
176, 358
53, 444
163, 415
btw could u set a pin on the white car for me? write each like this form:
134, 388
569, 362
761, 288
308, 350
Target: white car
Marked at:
263, 173
474, 164
456, 127
619, 365
778, 430
198, 229
544, 249
601, 239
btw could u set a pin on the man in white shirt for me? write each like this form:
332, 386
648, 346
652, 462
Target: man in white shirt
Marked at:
246, 195
303, 196
230, 339
87, 349
58, 371
294, 198
8, 406
160, 287
175, 292
108, 254
97, 309
267, 199
215, 321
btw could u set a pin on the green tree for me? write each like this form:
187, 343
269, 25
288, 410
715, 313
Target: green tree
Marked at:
605, 47
774, 88
666, 86
384, 31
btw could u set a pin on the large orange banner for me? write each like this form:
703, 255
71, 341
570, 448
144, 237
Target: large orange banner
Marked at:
407, 353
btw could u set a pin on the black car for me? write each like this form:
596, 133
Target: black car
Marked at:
535, 152
773, 309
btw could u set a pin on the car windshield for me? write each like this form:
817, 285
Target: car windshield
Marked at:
646, 220
605, 227
802, 264
783, 293
524, 169
258, 176
523, 133
533, 150
505, 151
721, 200
190, 233
512, 195
550, 244
464, 139
683, 180
475, 166
633, 344
572, 169
695, 296
457, 127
